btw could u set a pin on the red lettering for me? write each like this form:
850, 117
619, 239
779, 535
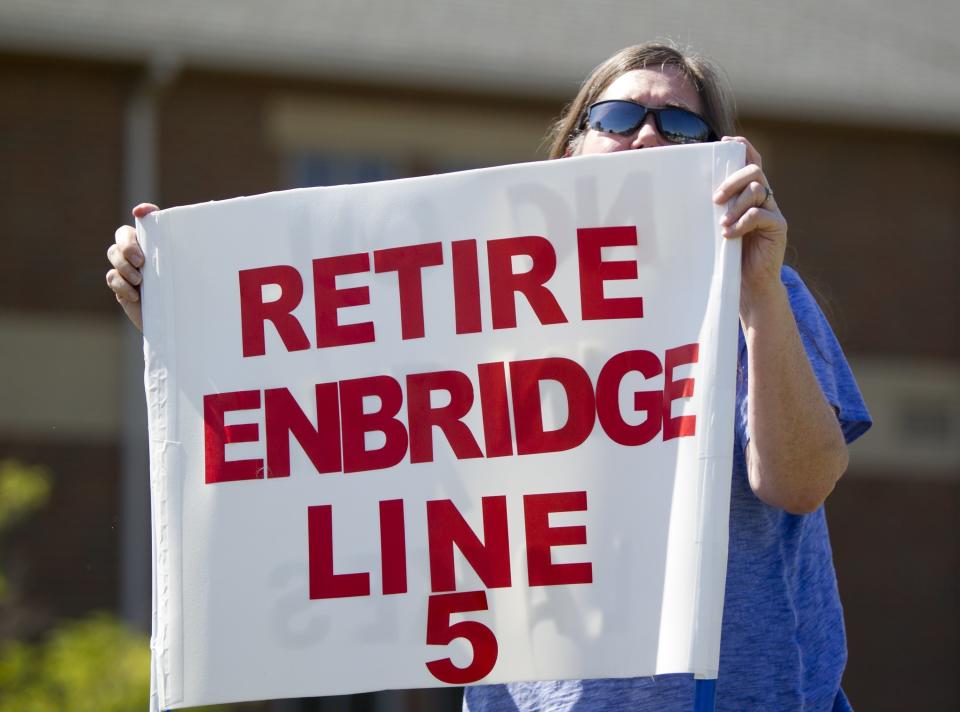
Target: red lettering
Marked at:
254, 312
525, 377
328, 299
408, 262
466, 286
541, 538
608, 398
683, 425
323, 582
441, 632
216, 436
356, 423
393, 547
504, 283
594, 271
422, 416
336, 439
495, 410
283, 418
490, 558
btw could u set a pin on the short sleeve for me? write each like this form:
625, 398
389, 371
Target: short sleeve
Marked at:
826, 358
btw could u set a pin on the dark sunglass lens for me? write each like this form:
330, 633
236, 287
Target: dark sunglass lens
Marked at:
619, 117
681, 126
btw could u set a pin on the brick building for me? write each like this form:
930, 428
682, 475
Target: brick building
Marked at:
855, 110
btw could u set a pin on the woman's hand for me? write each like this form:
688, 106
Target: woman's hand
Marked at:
796, 452
127, 259
755, 217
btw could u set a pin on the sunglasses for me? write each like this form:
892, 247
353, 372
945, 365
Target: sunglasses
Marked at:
622, 117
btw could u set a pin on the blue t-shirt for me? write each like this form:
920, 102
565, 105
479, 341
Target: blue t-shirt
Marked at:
783, 645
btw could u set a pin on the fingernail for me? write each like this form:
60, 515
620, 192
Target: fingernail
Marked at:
725, 220
137, 260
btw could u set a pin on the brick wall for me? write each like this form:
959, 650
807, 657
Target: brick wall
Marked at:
61, 136
874, 220
874, 225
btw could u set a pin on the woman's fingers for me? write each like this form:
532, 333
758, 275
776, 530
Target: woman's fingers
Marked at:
127, 295
144, 209
125, 239
753, 205
121, 287
753, 156
127, 258
754, 215
755, 195
123, 266
133, 312
739, 181
755, 220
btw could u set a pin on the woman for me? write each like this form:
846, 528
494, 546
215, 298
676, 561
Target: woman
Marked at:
783, 644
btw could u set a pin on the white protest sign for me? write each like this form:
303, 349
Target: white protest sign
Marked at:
464, 428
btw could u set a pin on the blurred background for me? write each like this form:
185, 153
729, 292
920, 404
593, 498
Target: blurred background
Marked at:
106, 103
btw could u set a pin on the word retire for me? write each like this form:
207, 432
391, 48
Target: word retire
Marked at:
410, 261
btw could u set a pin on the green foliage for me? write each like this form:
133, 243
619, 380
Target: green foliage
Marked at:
91, 665
23, 489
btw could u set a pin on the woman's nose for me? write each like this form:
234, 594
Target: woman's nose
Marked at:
647, 135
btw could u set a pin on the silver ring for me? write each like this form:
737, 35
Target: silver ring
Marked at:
767, 196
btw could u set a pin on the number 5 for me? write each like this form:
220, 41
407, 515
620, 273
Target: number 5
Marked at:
441, 632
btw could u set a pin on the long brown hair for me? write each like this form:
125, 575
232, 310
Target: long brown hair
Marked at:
709, 80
